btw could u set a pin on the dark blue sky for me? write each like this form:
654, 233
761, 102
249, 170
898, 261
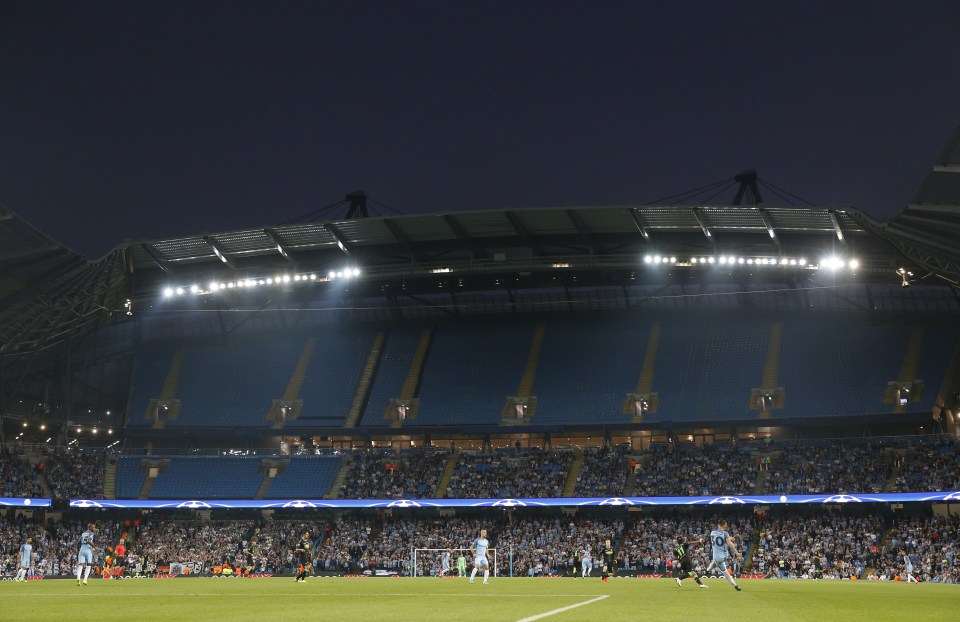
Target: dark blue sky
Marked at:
149, 120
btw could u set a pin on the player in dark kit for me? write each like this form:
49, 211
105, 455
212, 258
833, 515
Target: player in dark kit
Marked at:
609, 562
303, 557
683, 565
817, 567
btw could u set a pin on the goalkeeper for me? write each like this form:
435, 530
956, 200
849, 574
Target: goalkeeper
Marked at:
461, 565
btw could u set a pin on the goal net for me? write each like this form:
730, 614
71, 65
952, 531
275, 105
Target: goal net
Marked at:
427, 562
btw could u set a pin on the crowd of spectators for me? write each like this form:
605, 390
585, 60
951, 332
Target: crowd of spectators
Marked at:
55, 544
383, 474
648, 543
76, 474
787, 545
502, 475
552, 546
845, 545
841, 468
17, 477
930, 468
604, 472
932, 544
346, 545
687, 470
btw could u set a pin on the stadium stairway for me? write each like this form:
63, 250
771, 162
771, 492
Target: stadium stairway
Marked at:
645, 381
570, 487
447, 475
110, 479
867, 571
366, 380
748, 556
34, 459
910, 364
412, 382
630, 487
341, 477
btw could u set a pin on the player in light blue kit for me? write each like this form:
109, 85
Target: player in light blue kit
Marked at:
445, 563
723, 545
479, 550
85, 556
586, 562
26, 560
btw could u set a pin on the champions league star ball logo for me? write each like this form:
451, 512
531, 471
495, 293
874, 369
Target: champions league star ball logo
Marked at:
726, 501
85, 503
508, 503
953, 496
616, 501
194, 505
841, 499
299, 503
403, 503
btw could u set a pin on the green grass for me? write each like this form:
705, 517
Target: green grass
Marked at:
422, 600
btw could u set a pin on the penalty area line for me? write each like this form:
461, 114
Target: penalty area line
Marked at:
562, 609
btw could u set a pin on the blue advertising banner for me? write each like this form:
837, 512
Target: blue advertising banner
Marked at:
24, 502
195, 504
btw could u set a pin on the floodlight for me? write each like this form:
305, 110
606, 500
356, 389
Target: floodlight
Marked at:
286, 278
269, 281
673, 260
710, 259
740, 260
356, 272
647, 259
194, 289
339, 274
179, 290
167, 292
854, 264
722, 259
313, 277
331, 275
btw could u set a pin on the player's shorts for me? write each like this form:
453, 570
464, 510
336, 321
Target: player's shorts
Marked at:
721, 564
481, 562
85, 556
25, 563
445, 566
586, 563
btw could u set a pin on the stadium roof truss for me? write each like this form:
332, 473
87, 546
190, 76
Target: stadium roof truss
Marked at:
48, 293
502, 239
928, 230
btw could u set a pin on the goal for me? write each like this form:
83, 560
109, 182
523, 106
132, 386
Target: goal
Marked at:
427, 562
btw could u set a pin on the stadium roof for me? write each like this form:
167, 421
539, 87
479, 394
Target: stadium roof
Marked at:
49, 293
928, 230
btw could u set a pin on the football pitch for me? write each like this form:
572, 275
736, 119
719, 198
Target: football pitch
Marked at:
519, 599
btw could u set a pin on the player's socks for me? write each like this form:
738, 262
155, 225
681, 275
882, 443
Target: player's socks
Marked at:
486, 576
86, 573
679, 582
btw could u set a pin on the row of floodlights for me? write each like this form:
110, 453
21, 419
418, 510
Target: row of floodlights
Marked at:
831, 263
282, 279
93, 430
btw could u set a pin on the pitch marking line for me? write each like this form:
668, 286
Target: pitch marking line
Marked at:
562, 609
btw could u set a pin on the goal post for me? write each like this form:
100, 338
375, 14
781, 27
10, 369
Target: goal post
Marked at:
427, 562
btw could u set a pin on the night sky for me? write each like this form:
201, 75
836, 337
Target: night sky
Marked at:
145, 120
